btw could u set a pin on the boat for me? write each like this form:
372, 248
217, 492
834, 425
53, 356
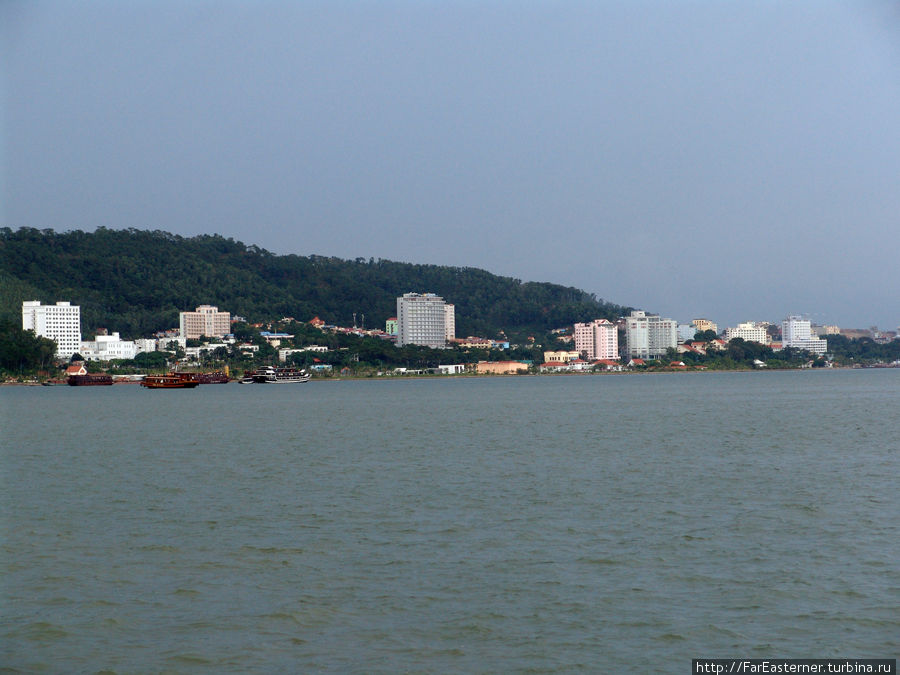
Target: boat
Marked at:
217, 377
89, 380
271, 375
170, 381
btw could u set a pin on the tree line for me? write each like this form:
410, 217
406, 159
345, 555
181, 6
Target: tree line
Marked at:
137, 281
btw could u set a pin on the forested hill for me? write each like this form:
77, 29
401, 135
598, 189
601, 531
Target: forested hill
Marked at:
136, 282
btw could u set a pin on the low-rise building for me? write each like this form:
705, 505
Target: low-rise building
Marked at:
501, 367
560, 356
283, 354
142, 345
749, 331
169, 344
274, 339
472, 342
107, 348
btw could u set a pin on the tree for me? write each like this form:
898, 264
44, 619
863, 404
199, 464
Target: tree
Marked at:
151, 360
22, 351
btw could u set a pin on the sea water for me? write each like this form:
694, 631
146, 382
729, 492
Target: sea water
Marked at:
614, 523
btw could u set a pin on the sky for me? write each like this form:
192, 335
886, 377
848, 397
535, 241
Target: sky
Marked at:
735, 161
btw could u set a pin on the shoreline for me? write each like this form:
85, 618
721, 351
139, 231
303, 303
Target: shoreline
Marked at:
518, 375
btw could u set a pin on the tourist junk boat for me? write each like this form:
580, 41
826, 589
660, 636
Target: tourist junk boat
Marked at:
170, 381
217, 377
270, 375
89, 380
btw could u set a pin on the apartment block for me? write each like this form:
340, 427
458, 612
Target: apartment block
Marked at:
598, 339
207, 321
705, 324
421, 320
60, 322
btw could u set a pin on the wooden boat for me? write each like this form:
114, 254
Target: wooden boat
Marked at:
89, 380
217, 377
170, 381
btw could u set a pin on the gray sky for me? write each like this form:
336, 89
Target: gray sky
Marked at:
731, 160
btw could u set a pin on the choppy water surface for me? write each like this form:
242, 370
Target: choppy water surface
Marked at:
530, 524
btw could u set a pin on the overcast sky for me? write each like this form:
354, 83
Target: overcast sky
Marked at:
731, 160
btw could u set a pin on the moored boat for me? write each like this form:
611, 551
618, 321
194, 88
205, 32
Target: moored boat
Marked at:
217, 377
170, 381
271, 375
89, 380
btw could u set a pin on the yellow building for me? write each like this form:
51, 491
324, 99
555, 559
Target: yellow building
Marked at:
559, 357
501, 367
704, 325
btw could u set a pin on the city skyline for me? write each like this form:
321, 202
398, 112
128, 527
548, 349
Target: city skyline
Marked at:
731, 161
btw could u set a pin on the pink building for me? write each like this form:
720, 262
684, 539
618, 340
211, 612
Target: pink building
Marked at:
598, 339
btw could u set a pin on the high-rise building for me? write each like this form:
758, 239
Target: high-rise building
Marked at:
598, 339
60, 322
449, 322
749, 331
647, 336
421, 320
205, 321
797, 332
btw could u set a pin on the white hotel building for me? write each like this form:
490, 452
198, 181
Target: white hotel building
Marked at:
60, 322
797, 333
107, 348
647, 336
749, 331
423, 320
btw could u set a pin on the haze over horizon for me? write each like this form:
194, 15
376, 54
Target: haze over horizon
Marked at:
735, 161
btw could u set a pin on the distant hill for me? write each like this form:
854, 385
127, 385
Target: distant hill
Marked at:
136, 282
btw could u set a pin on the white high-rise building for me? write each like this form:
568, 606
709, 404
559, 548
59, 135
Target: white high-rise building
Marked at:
797, 332
598, 339
205, 321
60, 322
421, 320
749, 331
647, 336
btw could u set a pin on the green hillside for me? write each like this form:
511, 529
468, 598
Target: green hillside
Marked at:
136, 282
